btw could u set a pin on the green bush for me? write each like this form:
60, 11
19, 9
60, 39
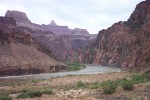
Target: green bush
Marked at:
73, 69
4, 97
108, 87
29, 94
34, 93
23, 95
147, 76
47, 91
94, 85
35, 81
74, 66
138, 79
80, 84
127, 85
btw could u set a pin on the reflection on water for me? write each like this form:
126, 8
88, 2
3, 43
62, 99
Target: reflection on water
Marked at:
90, 69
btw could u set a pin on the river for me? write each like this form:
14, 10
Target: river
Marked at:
90, 69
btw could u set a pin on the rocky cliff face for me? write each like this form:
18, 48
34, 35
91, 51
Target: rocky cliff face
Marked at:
64, 47
124, 44
61, 40
21, 54
7, 21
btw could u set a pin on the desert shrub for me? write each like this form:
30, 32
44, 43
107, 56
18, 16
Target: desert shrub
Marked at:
30, 94
35, 81
108, 87
34, 92
47, 91
4, 97
74, 66
127, 85
147, 76
23, 95
138, 79
94, 85
80, 84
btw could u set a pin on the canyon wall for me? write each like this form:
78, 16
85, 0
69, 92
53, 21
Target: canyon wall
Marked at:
61, 40
124, 44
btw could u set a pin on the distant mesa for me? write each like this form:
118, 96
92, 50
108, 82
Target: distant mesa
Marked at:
18, 16
80, 31
22, 20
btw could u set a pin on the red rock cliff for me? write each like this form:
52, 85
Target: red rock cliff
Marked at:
124, 44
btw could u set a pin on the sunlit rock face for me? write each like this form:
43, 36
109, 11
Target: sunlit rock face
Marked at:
124, 44
22, 54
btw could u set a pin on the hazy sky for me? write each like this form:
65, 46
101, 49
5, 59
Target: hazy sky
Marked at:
92, 15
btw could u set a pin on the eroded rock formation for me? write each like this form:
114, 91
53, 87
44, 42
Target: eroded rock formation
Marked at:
61, 40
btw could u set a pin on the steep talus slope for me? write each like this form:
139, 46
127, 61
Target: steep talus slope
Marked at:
124, 44
21, 54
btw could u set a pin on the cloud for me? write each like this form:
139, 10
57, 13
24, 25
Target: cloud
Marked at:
92, 15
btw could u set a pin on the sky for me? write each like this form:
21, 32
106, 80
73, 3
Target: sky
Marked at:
93, 15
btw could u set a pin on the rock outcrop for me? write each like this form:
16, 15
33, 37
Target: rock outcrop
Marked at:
124, 44
22, 54
53, 23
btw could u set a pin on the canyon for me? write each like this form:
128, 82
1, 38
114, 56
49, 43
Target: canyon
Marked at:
26, 47
29, 48
61, 40
33, 59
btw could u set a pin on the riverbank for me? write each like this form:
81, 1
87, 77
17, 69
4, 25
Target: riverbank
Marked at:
85, 84
72, 87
